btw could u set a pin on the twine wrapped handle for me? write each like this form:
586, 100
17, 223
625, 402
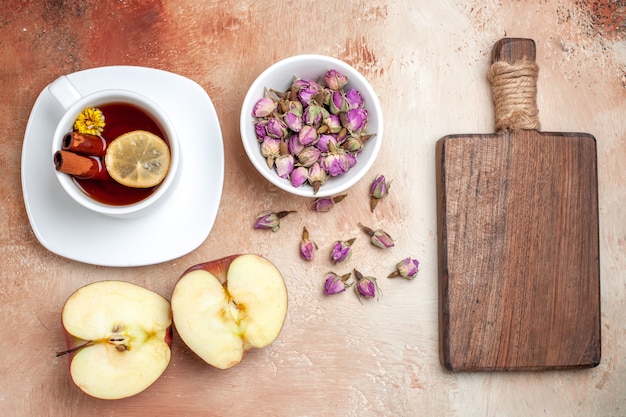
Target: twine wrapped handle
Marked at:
513, 76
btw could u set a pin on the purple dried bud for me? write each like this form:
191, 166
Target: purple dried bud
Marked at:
406, 268
352, 144
342, 250
355, 120
378, 237
333, 123
276, 128
299, 176
307, 246
308, 135
284, 165
334, 283
312, 115
354, 99
270, 220
327, 203
293, 121
335, 162
338, 103
260, 129
308, 156
324, 141
308, 92
293, 145
366, 287
264, 107
335, 80
351, 159
378, 190
317, 177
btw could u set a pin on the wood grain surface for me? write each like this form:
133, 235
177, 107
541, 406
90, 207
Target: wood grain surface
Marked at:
335, 356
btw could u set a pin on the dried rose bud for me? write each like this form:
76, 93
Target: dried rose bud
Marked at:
308, 156
355, 120
353, 144
284, 165
307, 135
327, 203
312, 115
307, 246
317, 177
335, 80
334, 283
338, 103
264, 107
270, 149
342, 250
354, 99
293, 121
335, 162
378, 237
366, 287
324, 142
260, 129
333, 123
270, 220
299, 176
293, 145
378, 190
276, 128
351, 159
406, 268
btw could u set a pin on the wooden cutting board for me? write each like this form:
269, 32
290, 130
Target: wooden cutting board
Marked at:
519, 279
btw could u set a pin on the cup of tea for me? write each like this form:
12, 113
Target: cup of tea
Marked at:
86, 135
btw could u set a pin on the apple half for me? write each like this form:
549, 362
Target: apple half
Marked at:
119, 338
224, 308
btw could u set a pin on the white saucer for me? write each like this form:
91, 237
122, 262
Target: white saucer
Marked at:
181, 223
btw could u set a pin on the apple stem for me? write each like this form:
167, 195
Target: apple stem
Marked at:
75, 348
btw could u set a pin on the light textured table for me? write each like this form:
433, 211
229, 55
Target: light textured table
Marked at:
335, 357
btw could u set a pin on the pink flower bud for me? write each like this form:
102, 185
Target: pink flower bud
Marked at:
355, 120
260, 129
264, 107
327, 203
276, 128
299, 176
342, 250
334, 284
378, 237
354, 99
335, 80
293, 121
335, 162
308, 156
338, 103
406, 268
270, 220
284, 165
317, 177
378, 190
312, 115
333, 123
308, 135
324, 142
307, 246
366, 287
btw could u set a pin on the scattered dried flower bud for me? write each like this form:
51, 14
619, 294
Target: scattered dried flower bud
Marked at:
378, 190
270, 220
327, 203
378, 237
406, 268
334, 283
307, 246
366, 287
342, 250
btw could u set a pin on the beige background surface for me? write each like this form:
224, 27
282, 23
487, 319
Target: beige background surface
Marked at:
428, 61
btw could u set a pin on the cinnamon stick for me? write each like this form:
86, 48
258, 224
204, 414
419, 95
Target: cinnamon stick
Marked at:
80, 166
84, 144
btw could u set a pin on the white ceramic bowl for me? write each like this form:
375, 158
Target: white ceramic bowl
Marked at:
279, 77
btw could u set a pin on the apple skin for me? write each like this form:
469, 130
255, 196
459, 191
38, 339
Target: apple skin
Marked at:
160, 339
226, 307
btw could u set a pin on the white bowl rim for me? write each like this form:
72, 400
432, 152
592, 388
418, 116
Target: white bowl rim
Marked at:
332, 187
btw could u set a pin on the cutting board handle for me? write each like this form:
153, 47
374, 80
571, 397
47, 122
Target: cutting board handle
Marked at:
513, 76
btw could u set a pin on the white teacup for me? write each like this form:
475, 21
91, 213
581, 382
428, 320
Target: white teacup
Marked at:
73, 104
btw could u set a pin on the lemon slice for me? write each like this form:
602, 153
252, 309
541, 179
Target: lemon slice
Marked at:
138, 159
